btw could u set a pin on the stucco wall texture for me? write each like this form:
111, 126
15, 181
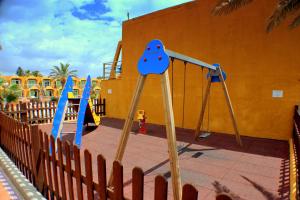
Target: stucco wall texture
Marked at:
256, 63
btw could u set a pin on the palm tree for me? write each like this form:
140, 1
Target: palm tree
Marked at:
20, 72
36, 73
27, 72
62, 72
284, 8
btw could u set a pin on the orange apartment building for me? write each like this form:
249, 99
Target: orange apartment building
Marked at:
44, 88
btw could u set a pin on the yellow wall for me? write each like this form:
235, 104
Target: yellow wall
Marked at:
256, 64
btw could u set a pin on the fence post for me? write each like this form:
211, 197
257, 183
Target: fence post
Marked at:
104, 106
189, 192
1, 124
161, 188
23, 108
0, 136
37, 157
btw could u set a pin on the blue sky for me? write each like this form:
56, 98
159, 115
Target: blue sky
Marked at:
38, 34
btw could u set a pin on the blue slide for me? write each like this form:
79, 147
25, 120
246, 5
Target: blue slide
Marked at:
61, 108
84, 101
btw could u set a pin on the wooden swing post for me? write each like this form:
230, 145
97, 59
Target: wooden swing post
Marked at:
171, 136
237, 134
204, 103
217, 72
129, 121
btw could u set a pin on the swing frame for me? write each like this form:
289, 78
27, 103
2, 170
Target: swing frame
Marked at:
169, 119
218, 73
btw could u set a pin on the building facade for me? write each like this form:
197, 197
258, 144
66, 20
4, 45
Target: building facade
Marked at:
258, 64
44, 88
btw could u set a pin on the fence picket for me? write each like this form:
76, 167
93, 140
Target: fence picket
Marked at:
69, 169
78, 173
54, 167
189, 192
51, 110
101, 189
61, 169
118, 181
47, 158
37, 112
88, 174
161, 188
30, 152
45, 186
26, 157
23, 112
137, 184
27, 151
40, 110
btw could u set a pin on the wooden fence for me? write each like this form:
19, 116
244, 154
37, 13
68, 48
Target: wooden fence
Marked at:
296, 139
59, 175
43, 112
16, 141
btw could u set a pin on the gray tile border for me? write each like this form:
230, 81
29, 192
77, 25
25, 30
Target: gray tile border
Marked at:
24, 187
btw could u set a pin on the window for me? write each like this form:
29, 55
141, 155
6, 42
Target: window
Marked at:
46, 83
94, 83
31, 83
82, 83
97, 91
34, 93
75, 92
49, 93
15, 81
58, 83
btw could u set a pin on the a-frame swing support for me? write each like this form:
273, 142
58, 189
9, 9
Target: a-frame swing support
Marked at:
156, 60
218, 72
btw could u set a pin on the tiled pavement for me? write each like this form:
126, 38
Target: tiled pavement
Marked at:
7, 191
258, 170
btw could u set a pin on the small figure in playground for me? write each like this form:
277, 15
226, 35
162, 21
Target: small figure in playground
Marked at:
142, 121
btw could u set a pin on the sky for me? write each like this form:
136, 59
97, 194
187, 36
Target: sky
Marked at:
39, 34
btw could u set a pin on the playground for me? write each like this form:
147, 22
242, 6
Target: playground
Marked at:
190, 163
259, 170
192, 115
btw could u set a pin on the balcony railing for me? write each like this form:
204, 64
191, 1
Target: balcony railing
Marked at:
107, 67
29, 85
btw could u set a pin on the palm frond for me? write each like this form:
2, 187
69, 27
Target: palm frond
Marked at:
284, 7
62, 72
296, 22
227, 6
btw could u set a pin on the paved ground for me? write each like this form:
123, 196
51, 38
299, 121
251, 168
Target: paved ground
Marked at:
258, 170
7, 190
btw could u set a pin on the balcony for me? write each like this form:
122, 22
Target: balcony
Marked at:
107, 67
33, 86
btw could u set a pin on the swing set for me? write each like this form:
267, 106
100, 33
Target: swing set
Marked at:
156, 60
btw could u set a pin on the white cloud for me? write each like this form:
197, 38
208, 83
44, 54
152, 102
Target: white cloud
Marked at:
38, 34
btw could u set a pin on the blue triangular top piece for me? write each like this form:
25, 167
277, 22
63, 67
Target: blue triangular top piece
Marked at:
215, 78
154, 59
